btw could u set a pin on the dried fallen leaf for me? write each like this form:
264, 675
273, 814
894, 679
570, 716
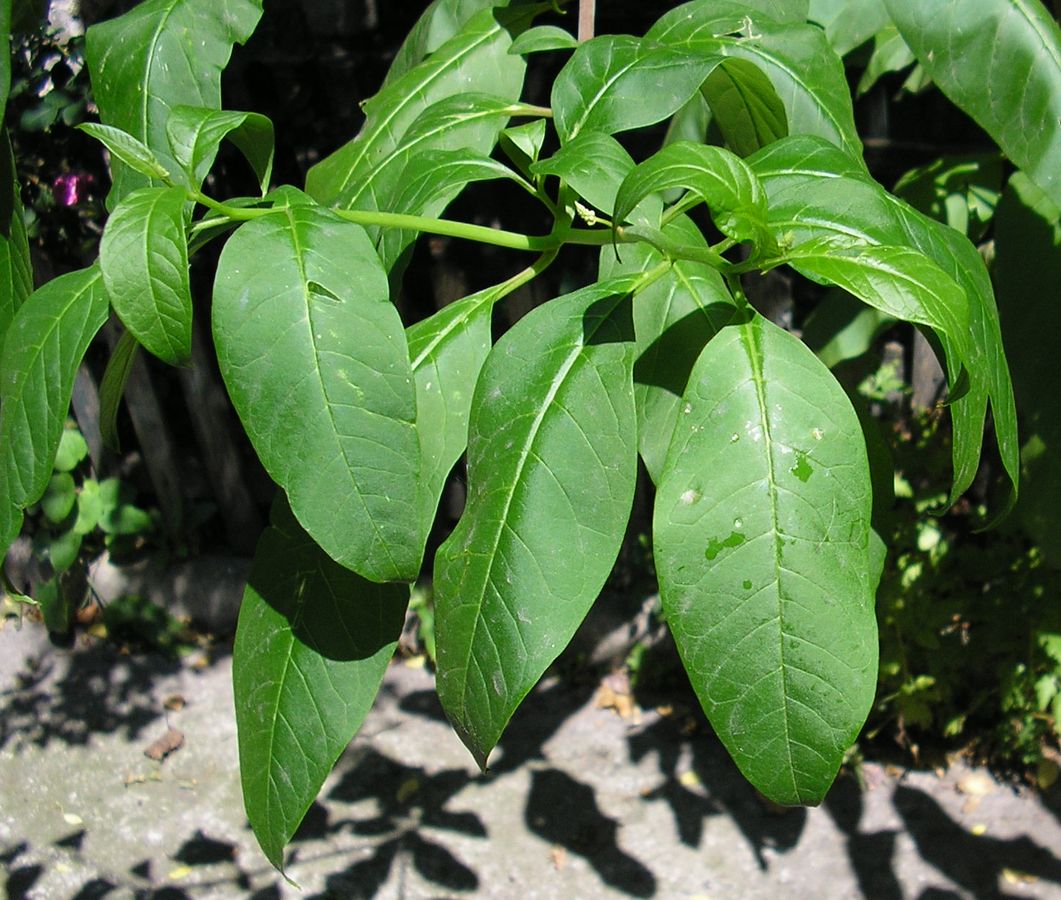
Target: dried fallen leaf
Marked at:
169, 743
975, 786
614, 693
689, 779
558, 854
1014, 876
174, 702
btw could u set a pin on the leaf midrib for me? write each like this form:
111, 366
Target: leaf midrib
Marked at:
751, 338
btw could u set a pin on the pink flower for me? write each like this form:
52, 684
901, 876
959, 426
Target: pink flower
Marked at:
69, 188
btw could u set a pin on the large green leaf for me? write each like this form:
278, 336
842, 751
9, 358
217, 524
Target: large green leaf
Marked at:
43, 348
437, 24
594, 164
712, 175
899, 281
447, 352
16, 274
551, 473
195, 134
1000, 61
1028, 280
144, 258
848, 23
804, 70
475, 58
818, 192
470, 122
674, 318
315, 360
745, 105
161, 54
761, 542
428, 183
312, 645
615, 82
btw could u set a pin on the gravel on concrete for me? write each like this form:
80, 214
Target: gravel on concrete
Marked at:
579, 802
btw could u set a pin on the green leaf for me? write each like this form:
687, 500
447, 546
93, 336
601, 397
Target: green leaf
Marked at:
428, 184
59, 497
89, 507
466, 121
144, 258
594, 164
890, 54
848, 23
442, 20
674, 318
112, 387
898, 281
816, 191
195, 134
1028, 228
761, 542
16, 274
541, 39
551, 473
745, 105
63, 550
842, 328
42, 351
1013, 46
447, 352
615, 82
805, 71
162, 54
130, 150
712, 175
523, 143
72, 449
475, 58
312, 646
10, 516
315, 360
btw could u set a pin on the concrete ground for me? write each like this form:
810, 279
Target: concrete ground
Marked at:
580, 803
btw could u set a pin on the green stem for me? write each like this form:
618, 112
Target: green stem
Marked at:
496, 237
530, 110
236, 213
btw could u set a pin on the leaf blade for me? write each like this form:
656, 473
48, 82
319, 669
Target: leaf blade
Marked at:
552, 467
315, 359
144, 260
785, 521
312, 645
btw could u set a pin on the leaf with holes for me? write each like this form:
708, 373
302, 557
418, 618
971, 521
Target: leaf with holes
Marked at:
315, 360
312, 645
551, 473
761, 541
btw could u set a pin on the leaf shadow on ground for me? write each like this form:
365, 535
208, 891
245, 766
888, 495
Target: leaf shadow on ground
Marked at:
97, 688
975, 863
